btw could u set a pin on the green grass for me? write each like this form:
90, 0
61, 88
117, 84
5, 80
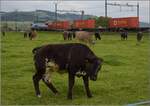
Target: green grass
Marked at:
124, 78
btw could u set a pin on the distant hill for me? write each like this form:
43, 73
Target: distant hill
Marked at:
39, 16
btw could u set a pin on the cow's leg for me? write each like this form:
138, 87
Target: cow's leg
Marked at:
86, 84
68, 37
126, 37
36, 79
70, 84
122, 37
49, 85
96, 37
99, 37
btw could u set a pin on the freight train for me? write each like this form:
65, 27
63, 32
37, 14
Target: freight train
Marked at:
113, 24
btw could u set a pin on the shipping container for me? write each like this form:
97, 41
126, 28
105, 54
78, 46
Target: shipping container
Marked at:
84, 24
64, 25
127, 22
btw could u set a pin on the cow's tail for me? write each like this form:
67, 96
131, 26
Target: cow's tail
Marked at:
35, 50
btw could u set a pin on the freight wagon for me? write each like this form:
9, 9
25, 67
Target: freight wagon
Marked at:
127, 22
84, 24
59, 25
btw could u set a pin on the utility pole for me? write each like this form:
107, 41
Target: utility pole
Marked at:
138, 7
82, 14
6, 27
37, 18
55, 11
105, 8
56, 2
16, 26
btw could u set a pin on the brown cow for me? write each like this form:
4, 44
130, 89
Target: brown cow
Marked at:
84, 36
25, 34
32, 34
67, 35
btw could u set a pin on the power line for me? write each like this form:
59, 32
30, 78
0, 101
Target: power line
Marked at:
74, 11
121, 5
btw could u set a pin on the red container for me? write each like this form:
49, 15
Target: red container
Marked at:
59, 25
127, 22
84, 24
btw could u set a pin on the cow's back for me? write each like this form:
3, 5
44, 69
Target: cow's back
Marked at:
83, 35
71, 53
78, 53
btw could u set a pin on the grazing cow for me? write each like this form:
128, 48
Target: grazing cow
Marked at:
67, 35
25, 34
97, 36
32, 34
139, 36
84, 36
76, 58
124, 35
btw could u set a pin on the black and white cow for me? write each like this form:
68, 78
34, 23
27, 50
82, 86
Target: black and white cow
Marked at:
124, 35
76, 58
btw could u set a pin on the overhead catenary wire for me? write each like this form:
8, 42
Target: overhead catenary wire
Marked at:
122, 5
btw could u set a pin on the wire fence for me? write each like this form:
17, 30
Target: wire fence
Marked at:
15, 26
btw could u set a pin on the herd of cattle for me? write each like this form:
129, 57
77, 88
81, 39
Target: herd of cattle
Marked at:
83, 36
31, 34
87, 36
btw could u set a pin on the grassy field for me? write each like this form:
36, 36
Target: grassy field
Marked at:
124, 77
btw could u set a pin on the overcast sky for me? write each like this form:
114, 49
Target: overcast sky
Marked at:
90, 7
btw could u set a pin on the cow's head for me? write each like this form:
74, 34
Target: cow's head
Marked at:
94, 67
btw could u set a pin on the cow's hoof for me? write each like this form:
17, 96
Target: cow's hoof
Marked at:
39, 96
